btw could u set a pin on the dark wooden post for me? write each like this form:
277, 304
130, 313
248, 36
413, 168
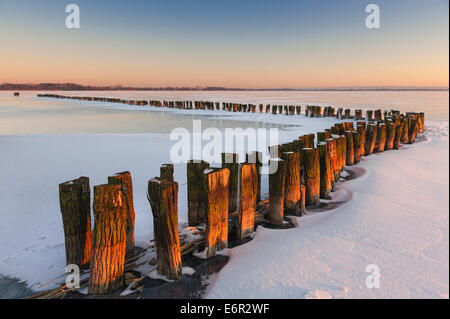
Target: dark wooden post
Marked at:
357, 146
166, 172
323, 136
255, 158
390, 136
362, 138
310, 158
125, 179
292, 193
108, 239
231, 161
276, 192
298, 109
371, 138
332, 146
378, 115
413, 129
163, 198
216, 181
196, 192
326, 174
75, 203
350, 152
247, 206
398, 134
381, 138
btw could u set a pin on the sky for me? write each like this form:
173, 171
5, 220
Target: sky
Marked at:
233, 43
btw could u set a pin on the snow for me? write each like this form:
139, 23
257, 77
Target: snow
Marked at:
397, 219
396, 215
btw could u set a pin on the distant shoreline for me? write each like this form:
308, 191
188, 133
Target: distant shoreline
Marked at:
78, 87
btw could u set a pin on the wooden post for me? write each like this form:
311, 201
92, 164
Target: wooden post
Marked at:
276, 192
108, 239
247, 206
378, 115
326, 173
310, 157
390, 136
163, 198
255, 158
362, 138
371, 138
398, 134
166, 172
292, 192
413, 129
125, 179
381, 138
323, 136
356, 146
350, 153
332, 146
216, 181
231, 161
196, 192
75, 202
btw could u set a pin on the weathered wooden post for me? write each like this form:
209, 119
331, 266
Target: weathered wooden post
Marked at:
381, 138
323, 136
378, 115
216, 181
357, 146
339, 113
247, 206
310, 158
362, 138
298, 109
255, 158
125, 179
277, 183
390, 136
332, 146
108, 239
347, 113
196, 192
163, 198
350, 152
231, 161
413, 129
371, 138
166, 172
326, 173
358, 114
292, 192
75, 202
398, 134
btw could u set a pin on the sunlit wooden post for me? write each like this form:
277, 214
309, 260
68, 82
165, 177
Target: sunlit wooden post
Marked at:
398, 134
369, 115
247, 206
163, 198
326, 173
277, 180
310, 158
356, 146
216, 181
292, 192
75, 202
108, 239
332, 146
196, 192
390, 135
381, 138
350, 155
362, 138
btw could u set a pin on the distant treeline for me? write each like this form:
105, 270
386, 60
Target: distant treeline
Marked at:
79, 87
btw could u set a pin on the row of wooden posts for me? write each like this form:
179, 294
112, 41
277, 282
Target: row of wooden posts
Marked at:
310, 110
224, 199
